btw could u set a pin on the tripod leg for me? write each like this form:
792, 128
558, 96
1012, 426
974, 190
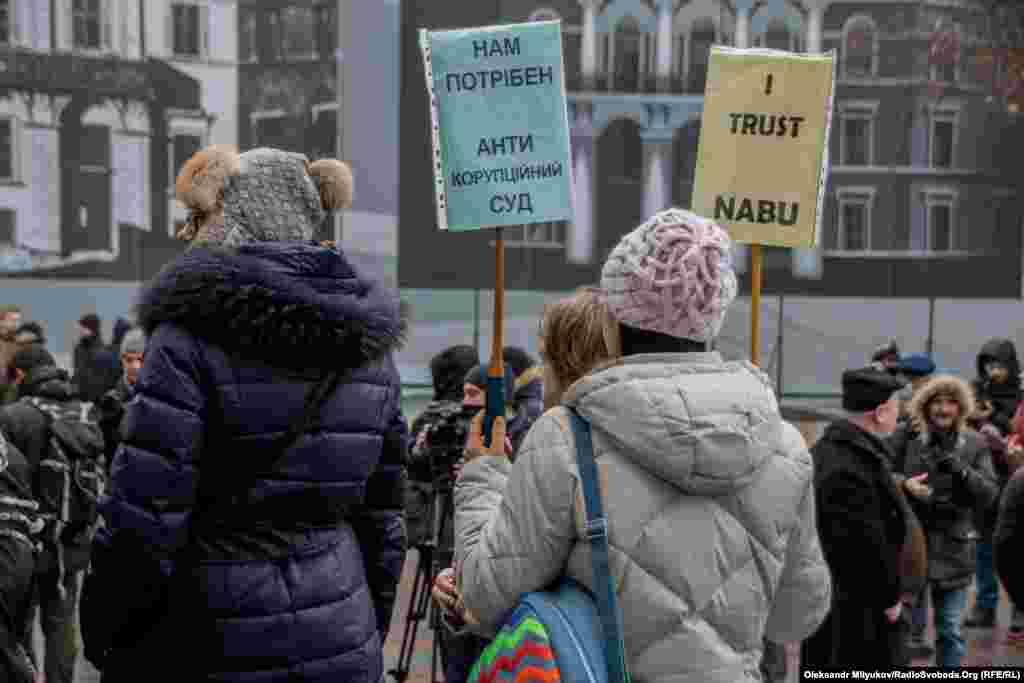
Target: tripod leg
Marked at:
416, 612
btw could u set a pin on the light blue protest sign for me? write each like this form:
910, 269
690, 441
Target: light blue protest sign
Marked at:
499, 125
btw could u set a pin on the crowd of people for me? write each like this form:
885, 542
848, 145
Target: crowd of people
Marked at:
233, 477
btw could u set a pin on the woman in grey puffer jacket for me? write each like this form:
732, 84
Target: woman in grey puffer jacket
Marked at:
708, 492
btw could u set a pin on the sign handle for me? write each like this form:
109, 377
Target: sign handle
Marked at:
495, 406
755, 304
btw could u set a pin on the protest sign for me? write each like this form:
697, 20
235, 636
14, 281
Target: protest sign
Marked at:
499, 125
762, 160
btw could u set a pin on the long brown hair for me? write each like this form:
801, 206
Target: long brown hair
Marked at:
575, 335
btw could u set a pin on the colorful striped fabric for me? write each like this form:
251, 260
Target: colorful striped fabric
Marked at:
520, 653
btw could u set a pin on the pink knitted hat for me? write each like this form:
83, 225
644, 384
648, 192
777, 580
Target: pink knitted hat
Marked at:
673, 275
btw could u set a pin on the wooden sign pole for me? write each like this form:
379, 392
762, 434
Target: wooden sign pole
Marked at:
496, 371
755, 304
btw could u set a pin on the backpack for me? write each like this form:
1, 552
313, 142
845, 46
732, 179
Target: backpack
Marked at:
70, 477
564, 634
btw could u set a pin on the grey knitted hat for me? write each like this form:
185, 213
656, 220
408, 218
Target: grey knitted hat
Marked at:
134, 341
263, 195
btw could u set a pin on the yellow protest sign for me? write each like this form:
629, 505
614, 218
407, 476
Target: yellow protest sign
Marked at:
762, 159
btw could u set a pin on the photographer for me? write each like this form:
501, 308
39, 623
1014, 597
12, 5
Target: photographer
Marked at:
437, 453
946, 471
448, 370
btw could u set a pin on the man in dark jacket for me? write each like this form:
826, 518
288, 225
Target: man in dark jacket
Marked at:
947, 473
91, 366
862, 528
19, 526
111, 405
997, 391
1009, 541
279, 544
57, 579
447, 369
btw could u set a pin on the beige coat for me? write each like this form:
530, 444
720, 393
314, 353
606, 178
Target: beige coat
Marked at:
710, 504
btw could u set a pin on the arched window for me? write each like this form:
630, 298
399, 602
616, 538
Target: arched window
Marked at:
544, 14
860, 47
702, 37
628, 40
621, 152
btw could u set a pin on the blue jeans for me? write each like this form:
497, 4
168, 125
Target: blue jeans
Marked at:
949, 642
988, 585
919, 613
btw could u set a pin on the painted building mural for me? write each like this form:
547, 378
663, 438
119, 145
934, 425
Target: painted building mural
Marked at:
924, 194
100, 101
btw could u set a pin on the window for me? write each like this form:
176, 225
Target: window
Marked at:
854, 222
187, 29
942, 139
248, 40
6, 22
542, 236
183, 147
628, 39
87, 24
323, 136
327, 31
270, 129
860, 47
941, 222
298, 39
702, 37
7, 223
273, 45
777, 36
857, 137
8, 150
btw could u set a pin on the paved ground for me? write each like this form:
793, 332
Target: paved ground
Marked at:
986, 647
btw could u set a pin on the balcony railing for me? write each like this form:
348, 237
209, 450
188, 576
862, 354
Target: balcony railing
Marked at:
645, 85
101, 76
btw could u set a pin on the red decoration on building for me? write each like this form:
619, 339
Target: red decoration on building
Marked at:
858, 40
944, 48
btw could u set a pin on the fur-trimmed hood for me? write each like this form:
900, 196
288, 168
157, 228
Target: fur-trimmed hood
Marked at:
940, 384
292, 305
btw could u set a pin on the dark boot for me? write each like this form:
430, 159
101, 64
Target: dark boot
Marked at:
917, 645
981, 617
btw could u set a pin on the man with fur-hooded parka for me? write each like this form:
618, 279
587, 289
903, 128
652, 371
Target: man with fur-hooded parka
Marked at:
294, 578
957, 468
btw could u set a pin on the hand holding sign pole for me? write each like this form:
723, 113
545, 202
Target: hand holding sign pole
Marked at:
500, 133
762, 160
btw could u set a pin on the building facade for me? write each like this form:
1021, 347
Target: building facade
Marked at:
288, 75
101, 101
924, 192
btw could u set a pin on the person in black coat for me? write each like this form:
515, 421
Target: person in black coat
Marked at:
1009, 539
19, 526
62, 562
862, 527
998, 392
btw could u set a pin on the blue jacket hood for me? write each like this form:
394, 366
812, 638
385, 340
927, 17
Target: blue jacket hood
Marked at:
294, 304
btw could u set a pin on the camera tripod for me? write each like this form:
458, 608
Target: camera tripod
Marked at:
432, 555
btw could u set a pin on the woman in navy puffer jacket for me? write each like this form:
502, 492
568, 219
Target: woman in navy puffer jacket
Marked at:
297, 581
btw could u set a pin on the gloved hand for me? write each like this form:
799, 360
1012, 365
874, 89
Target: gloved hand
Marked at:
950, 464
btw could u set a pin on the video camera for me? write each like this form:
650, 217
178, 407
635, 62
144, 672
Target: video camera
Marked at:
446, 440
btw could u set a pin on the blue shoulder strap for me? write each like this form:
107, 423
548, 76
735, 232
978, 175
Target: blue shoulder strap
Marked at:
597, 534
